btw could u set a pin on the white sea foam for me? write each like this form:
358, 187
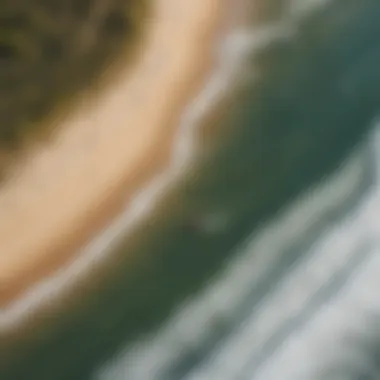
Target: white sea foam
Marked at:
315, 339
190, 326
314, 344
184, 150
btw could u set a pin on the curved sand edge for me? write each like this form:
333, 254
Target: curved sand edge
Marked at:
98, 159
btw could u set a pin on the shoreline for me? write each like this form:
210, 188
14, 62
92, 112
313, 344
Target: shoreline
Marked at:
154, 270
116, 197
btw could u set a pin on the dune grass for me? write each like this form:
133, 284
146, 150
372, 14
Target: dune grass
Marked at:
51, 50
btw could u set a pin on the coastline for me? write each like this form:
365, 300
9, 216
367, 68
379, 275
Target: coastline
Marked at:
127, 297
124, 172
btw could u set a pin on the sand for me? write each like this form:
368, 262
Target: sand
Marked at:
105, 151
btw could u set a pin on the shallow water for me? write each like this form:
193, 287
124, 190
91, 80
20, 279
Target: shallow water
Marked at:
312, 101
277, 291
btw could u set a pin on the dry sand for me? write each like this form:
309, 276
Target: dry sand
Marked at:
105, 152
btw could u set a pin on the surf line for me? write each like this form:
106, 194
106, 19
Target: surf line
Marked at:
228, 52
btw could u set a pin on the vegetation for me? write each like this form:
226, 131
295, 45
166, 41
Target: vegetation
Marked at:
50, 50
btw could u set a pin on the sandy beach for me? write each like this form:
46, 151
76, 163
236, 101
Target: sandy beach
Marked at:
105, 151
236, 95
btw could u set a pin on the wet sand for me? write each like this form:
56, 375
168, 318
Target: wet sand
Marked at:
105, 152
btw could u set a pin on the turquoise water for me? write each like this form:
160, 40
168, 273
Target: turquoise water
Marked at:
314, 100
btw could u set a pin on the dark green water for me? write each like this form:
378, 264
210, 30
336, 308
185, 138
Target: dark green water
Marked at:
315, 101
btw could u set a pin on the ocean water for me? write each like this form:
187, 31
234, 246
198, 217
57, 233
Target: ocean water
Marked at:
298, 300
261, 263
283, 307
